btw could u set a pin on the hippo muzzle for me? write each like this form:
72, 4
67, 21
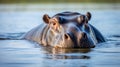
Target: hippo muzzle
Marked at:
74, 37
65, 30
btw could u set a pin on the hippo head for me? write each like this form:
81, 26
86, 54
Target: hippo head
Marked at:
69, 30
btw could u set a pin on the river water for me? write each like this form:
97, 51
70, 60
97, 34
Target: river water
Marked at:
17, 19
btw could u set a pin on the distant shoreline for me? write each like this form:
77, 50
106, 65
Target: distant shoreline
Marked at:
50, 7
57, 1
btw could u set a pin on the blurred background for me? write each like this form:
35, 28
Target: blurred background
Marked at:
59, 1
26, 14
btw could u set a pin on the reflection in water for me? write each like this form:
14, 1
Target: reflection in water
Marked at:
63, 51
62, 56
60, 53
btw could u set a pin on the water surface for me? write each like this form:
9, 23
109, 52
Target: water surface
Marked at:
17, 19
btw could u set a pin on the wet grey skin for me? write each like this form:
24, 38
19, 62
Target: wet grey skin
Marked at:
66, 30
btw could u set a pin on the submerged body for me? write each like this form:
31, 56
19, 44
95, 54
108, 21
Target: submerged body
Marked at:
66, 30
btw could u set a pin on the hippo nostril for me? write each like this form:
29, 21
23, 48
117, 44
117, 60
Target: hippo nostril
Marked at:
84, 35
66, 36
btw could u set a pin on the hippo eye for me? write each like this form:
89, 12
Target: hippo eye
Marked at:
54, 23
81, 19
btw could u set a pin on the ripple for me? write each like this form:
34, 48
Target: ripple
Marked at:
117, 36
109, 50
10, 36
68, 57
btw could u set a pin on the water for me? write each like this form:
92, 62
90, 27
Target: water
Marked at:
17, 19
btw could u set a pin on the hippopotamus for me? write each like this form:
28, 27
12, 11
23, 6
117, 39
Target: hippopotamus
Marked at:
66, 30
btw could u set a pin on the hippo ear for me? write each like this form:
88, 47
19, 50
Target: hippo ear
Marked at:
46, 18
88, 14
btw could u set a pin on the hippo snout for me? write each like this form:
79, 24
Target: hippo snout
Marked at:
81, 40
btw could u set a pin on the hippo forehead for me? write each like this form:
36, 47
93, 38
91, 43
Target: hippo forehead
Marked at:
68, 16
